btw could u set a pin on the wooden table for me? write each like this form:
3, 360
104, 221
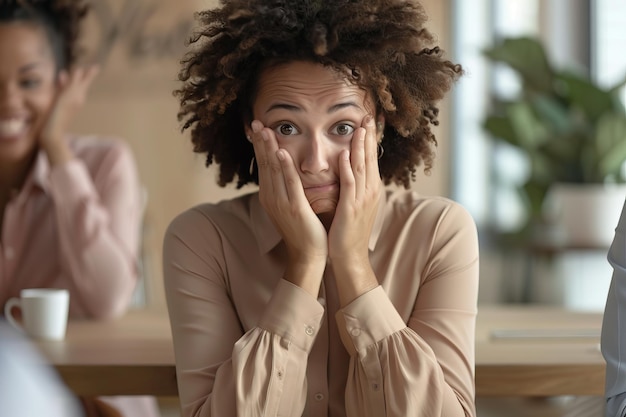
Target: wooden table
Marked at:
134, 355
129, 356
538, 351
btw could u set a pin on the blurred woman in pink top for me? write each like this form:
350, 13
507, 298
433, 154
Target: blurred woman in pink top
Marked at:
70, 207
322, 294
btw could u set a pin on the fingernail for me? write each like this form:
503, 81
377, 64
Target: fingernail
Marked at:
256, 126
280, 154
265, 135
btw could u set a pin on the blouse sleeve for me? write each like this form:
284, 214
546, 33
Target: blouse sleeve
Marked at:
425, 368
221, 370
613, 332
98, 218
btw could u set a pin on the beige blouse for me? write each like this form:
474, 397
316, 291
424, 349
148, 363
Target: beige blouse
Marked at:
249, 343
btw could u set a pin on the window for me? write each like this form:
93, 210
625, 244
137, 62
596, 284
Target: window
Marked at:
587, 35
608, 39
484, 174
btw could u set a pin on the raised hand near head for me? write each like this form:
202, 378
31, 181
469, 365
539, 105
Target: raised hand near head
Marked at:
282, 195
349, 234
71, 96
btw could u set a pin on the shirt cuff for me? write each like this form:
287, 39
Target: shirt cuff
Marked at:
71, 182
622, 407
293, 314
367, 320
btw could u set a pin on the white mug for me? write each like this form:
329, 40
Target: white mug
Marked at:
44, 312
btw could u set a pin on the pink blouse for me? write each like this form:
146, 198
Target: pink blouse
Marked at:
77, 227
249, 343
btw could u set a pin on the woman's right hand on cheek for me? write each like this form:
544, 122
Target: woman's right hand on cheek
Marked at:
282, 195
72, 93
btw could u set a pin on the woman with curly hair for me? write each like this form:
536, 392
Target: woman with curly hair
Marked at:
322, 293
70, 207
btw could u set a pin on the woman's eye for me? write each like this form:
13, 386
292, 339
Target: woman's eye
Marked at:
29, 83
286, 129
343, 129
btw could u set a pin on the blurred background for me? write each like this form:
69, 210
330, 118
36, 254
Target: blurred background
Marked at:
532, 115
139, 44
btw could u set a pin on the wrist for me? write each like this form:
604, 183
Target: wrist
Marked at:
354, 277
349, 257
57, 150
306, 274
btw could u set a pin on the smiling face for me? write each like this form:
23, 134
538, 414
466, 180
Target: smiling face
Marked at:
313, 111
27, 88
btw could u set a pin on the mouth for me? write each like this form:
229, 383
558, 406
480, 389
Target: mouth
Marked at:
11, 128
332, 186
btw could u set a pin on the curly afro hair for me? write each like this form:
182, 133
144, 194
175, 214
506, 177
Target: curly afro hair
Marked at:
59, 18
382, 43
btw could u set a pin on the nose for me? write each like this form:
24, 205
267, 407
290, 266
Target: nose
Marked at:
315, 159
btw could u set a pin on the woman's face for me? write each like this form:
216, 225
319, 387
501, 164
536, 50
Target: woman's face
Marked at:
313, 111
27, 88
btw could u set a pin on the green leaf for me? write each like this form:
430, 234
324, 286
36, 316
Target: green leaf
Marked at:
542, 168
500, 128
617, 87
527, 57
559, 120
591, 99
610, 145
535, 194
552, 112
528, 130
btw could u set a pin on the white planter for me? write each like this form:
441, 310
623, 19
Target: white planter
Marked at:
575, 279
586, 214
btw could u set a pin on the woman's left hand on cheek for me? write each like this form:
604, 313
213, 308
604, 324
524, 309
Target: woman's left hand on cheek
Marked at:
359, 195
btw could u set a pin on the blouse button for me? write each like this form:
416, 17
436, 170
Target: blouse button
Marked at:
319, 396
355, 332
309, 330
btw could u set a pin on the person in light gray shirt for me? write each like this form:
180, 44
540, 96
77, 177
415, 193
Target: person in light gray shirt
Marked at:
614, 326
28, 386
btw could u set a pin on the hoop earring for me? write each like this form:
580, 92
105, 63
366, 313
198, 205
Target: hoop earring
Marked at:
381, 150
251, 167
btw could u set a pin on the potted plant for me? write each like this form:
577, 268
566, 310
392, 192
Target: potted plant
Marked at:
573, 133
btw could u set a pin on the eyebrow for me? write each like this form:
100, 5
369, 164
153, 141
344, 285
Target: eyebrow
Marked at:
331, 109
30, 67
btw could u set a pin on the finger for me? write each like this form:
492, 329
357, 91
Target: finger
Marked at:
291, 179
80, 82
89, 75
259, 152
371, 152
347, 191
63, 80
274, 165
358, 159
